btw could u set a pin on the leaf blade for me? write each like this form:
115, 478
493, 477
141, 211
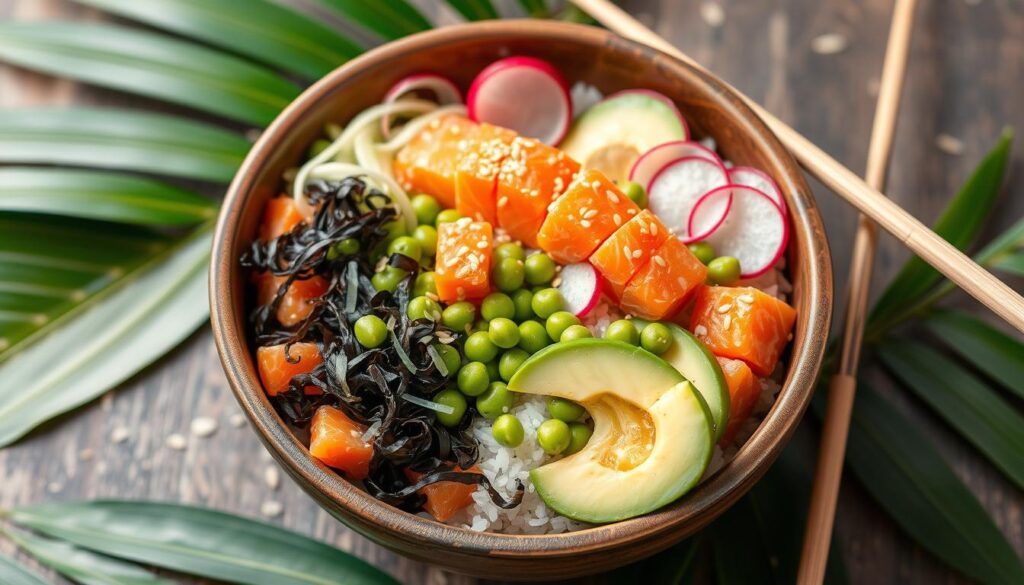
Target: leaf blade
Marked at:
391, 20
199, 541
14, 574
151, 65
987, 348
535, 8
474, 9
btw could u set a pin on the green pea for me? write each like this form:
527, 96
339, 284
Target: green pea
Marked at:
507, 431
493, 370
656, 338
480, 348
426, 208
388, 278
553, 436
579, 435
480, 325
317, 147
563, 409
575, 332
346, 247
510, 362
450, 356
636, 193
495, 401
406, 246
424, 308
370, 331
704, 251
455, 399
503, 332
547, 302
509, 250
559, 322
458, 316
395, 229
497, 305
508, 274
426, 282
724, 270
623, 330
540, 268
532, 336
426, 237
447, 216
473, 379
523, 299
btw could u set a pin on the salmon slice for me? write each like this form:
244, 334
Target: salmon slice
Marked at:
591, 209
280, 215
295, 304
445, 498
463, 263
427, 164
629, 249
531, 177
743, 323
744, 390
665, 283
337, 441
476, 176
276, 372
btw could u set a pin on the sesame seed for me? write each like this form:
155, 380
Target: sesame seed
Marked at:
617, 219
272, 477
432, 296
727, 321
482, 244
595, 185
177, 442
590, 214
637, 253
700, 330
631, 212
745, 299
612, 196
725, 308
556, 281
659, 260
237, 420
271, 509
654, 229
203, 426
627, 251
585, 223
120, 435
503, 201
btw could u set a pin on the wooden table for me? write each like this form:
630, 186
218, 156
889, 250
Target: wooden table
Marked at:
964, 81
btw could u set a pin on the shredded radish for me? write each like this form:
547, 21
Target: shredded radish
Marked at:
651, 162
755, 230
676, 189
759, 180
523, 94
580, 288
445, 91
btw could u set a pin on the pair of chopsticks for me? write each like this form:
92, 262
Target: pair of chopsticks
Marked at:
866, 197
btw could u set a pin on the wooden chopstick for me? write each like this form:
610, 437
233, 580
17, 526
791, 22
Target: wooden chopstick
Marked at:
940, 254
842, 387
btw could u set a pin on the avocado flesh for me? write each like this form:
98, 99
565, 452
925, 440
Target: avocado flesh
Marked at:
652, 435
698, 365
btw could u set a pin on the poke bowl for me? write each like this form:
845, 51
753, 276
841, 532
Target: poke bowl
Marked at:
521, 299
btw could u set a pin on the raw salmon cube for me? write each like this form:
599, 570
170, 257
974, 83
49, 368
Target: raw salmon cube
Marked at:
296, 303
337, 441
276, 372
476, 176
665, 283
280, 215
582, 218
744, 390
743, 323
629, 249
463, 263
532, 175
427, 164
445, 498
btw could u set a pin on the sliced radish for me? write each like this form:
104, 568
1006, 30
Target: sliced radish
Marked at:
661, 98
755, 230
677, 187
759, 180
655, 159
580, 288
444, 90
524, 94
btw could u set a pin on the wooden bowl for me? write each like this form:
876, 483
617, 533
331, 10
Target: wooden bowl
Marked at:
610, 63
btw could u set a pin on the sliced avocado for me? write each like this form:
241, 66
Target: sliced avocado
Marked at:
610, 136
652, 436
698, 365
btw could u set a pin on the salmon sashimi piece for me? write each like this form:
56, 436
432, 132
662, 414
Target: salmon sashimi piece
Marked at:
476, 176
280, 215
463, 263
744, 390
666, 283
629, 249
427, 164
295, 305
276, 372
743, 323
337, 441
531, 177
445, 498
589, 211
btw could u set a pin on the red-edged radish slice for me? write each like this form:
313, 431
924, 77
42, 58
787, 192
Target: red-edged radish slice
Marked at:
661, 98
755, 230
523, 94
759, 180
677, 187
580, 287
446, 92
655, 159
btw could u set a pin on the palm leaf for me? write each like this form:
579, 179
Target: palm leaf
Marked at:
391, 19
271, 33
966, 403
13, 574
1011, 263
673, 566
151, 65
535, 8
985, 347
199, 542
98, 195
474, 9
151, 310
120, 139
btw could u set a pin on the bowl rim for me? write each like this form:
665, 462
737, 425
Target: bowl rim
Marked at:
360, 510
